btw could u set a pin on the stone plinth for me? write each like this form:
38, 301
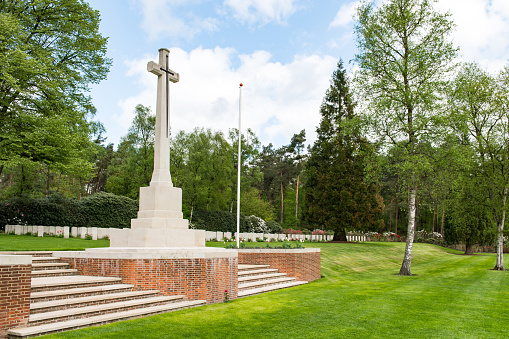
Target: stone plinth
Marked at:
15, 281
160, 221
146, 237
302, 264
197, 273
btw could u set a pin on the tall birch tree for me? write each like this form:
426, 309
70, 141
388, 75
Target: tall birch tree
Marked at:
404, 53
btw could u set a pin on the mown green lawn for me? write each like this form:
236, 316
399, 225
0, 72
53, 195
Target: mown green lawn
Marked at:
360, 296
31, 243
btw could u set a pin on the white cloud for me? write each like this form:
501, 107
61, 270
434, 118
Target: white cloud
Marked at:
261, 11
278, 100
345, 14
482, 28
163, 18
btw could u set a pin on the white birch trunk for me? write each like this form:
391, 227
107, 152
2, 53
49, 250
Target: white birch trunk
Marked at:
407, 260
500, 235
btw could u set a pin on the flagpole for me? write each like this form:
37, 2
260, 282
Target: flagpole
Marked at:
238, 168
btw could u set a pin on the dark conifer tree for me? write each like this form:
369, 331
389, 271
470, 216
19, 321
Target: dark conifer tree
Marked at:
340, 194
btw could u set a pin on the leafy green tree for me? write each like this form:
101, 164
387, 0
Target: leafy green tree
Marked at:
133, 162
250, 176
252, 204
50, 51
339, 191
201, 164
102, 160
479, 113
403, 55
469, 218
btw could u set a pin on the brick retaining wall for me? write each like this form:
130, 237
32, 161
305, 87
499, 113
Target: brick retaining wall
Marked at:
302, 264
15, 281
196, 278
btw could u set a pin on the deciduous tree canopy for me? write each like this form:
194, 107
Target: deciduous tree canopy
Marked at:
50, 51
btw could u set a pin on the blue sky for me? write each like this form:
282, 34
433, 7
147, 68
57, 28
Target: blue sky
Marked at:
283, 51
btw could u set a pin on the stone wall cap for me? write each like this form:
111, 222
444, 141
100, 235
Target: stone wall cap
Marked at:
11, 260
150, 253
279, 250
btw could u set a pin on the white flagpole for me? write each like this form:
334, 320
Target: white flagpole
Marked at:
238, 168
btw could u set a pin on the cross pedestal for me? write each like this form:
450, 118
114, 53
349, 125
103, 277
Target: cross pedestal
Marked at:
160, 222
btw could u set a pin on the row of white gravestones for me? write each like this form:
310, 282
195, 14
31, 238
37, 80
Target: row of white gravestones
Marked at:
99, 233
220, 236
65, 231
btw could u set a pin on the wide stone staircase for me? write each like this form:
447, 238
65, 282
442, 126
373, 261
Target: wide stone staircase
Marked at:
255, 279
61, 300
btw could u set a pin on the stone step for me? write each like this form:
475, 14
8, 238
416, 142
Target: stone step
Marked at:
243, 267
264, 289
265, 282
79, 292
93, 310
32, 253
101, 319
45, 259
257, 272
261, 277
65, 282
48, 266
54, 273
60, 304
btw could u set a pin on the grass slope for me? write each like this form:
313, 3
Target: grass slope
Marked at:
450, 296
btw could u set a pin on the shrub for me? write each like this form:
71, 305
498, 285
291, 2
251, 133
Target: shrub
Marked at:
219, 221
109, 210
274, 227
256, 225
55, 210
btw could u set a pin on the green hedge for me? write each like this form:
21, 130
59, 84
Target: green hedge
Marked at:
98, 210
218, 221
52, 211
109, 210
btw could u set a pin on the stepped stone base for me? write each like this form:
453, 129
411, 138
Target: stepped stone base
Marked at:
199, 273
160, 222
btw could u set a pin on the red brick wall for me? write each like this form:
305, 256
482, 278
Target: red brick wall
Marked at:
302, 266
197, 279
15, 281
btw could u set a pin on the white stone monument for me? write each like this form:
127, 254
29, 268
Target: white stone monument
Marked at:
160, 222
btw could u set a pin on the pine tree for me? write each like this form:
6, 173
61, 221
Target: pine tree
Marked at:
339, 192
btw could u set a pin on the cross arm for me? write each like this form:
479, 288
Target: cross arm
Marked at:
154, 68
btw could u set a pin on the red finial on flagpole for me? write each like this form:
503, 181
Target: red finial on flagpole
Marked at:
241, 84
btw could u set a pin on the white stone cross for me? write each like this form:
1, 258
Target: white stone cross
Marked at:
161, 143
160, 221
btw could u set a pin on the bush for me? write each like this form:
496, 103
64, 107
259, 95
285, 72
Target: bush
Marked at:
55, 210
219, 221
98, 210
109, 210
256, 225
274, 227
